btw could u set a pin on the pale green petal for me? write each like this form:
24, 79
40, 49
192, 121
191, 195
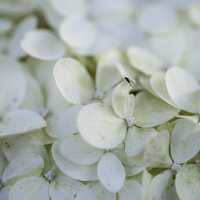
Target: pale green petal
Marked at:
188, 182
157, 18
137, 139
21, 146
25, 25
20, 121
185, 143
146, 84
158, 85
107, 75
183, 89
132, 190
135, 165
161, 185
29, 165
151, 111
12, 84
63, 188
100, 127
156, 153
75, 149
102, 193
170, 47
56, 102
51, 48
73, 81
123, 102
79, 33
144, 61
94, 192
63, 123
111, 172
34, 99
30, 188
146, 182
78, 172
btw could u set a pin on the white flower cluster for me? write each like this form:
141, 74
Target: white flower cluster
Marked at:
99, 100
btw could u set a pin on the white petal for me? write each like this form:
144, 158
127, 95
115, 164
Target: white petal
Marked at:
146, 181
120, 153
106, 74
31, 188
49, 49
137, 139
157, 18
52, 17
23, 166
132, 190
185, 142
156, 153
34, 99
145, 83
55, 100
111, 172
63, 123
27, 24
76, 150
87, 192
161, 186
79, 33
64, 188
135, 165
100, 127
151, 111
183, 89
78, 172
42, 72
102, 193
144, 61
21, 146
188, 182
20, 121
127, 72
170, 47
123, 102
73, 81
12, 94
39, 137
158, 85
94, 192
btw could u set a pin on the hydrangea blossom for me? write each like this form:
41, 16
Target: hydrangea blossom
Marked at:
99, 100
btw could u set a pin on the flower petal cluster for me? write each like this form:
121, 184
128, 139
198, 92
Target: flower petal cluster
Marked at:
99, 100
